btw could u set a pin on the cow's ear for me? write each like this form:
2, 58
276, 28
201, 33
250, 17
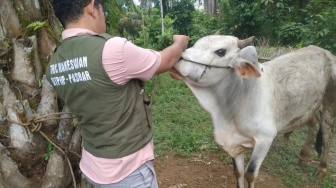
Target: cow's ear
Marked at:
246, 69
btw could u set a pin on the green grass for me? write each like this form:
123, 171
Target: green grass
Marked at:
181, 126
282, 161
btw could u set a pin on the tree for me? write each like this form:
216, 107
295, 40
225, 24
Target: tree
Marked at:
181, 12
211, 6
124, 18
39, 139
161, 9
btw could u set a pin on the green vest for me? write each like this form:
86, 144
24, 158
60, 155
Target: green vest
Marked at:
115, 120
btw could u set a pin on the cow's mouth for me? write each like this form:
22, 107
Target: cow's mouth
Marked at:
175, 74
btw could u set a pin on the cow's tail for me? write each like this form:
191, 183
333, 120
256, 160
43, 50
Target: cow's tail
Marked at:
319, 142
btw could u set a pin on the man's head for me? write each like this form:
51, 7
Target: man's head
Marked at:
81, 13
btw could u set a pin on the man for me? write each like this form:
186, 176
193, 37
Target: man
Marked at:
100, 79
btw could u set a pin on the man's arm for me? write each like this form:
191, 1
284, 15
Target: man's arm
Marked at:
171, 54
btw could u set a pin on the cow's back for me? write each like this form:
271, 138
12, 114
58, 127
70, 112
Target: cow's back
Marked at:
299, 81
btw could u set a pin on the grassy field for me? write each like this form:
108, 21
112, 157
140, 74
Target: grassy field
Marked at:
182, 127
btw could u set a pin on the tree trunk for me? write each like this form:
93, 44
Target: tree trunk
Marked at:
30, 113
162, 21
211, 6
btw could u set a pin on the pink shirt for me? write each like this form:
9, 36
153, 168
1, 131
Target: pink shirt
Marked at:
122, 61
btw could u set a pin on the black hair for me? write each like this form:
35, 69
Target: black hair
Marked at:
70, 10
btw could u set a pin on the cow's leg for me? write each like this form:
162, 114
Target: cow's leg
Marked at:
259, 153
326, 126
238, 169
313, 128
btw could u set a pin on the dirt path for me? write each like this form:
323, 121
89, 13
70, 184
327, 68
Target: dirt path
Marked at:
205, 172
208, 170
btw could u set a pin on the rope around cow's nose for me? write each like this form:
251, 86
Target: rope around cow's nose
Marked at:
207, 65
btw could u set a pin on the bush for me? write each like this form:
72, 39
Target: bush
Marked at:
151, 35
322, 29
292, 33
202, 25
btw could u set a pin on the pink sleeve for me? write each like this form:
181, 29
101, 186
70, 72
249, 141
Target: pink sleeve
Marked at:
124, 61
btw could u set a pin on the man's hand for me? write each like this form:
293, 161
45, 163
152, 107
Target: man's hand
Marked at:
181, 40
172, 54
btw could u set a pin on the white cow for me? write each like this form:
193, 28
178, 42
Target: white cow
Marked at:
250, 103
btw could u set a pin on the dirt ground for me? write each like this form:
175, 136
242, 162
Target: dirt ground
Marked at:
206, 171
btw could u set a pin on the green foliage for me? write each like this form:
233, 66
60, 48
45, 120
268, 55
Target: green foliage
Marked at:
224, 18
32, 28
281, 22
164, 40
270, 15
181, 126
298, 23
181, 14
50, 148
151, 35
40, 83
328, 182
74, 120
36, 25
320, 19
292, 33
202, 25
124, 18
245, 21
266, 2
181, 19
6, 43
129, 25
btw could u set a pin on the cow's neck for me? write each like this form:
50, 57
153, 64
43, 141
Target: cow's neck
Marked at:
225, 100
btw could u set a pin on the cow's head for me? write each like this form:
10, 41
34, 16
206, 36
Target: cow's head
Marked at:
214, 57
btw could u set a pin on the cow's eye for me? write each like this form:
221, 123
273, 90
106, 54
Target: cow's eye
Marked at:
220, 52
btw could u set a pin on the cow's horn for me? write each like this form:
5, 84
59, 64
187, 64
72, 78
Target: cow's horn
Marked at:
217, 32
243, 43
